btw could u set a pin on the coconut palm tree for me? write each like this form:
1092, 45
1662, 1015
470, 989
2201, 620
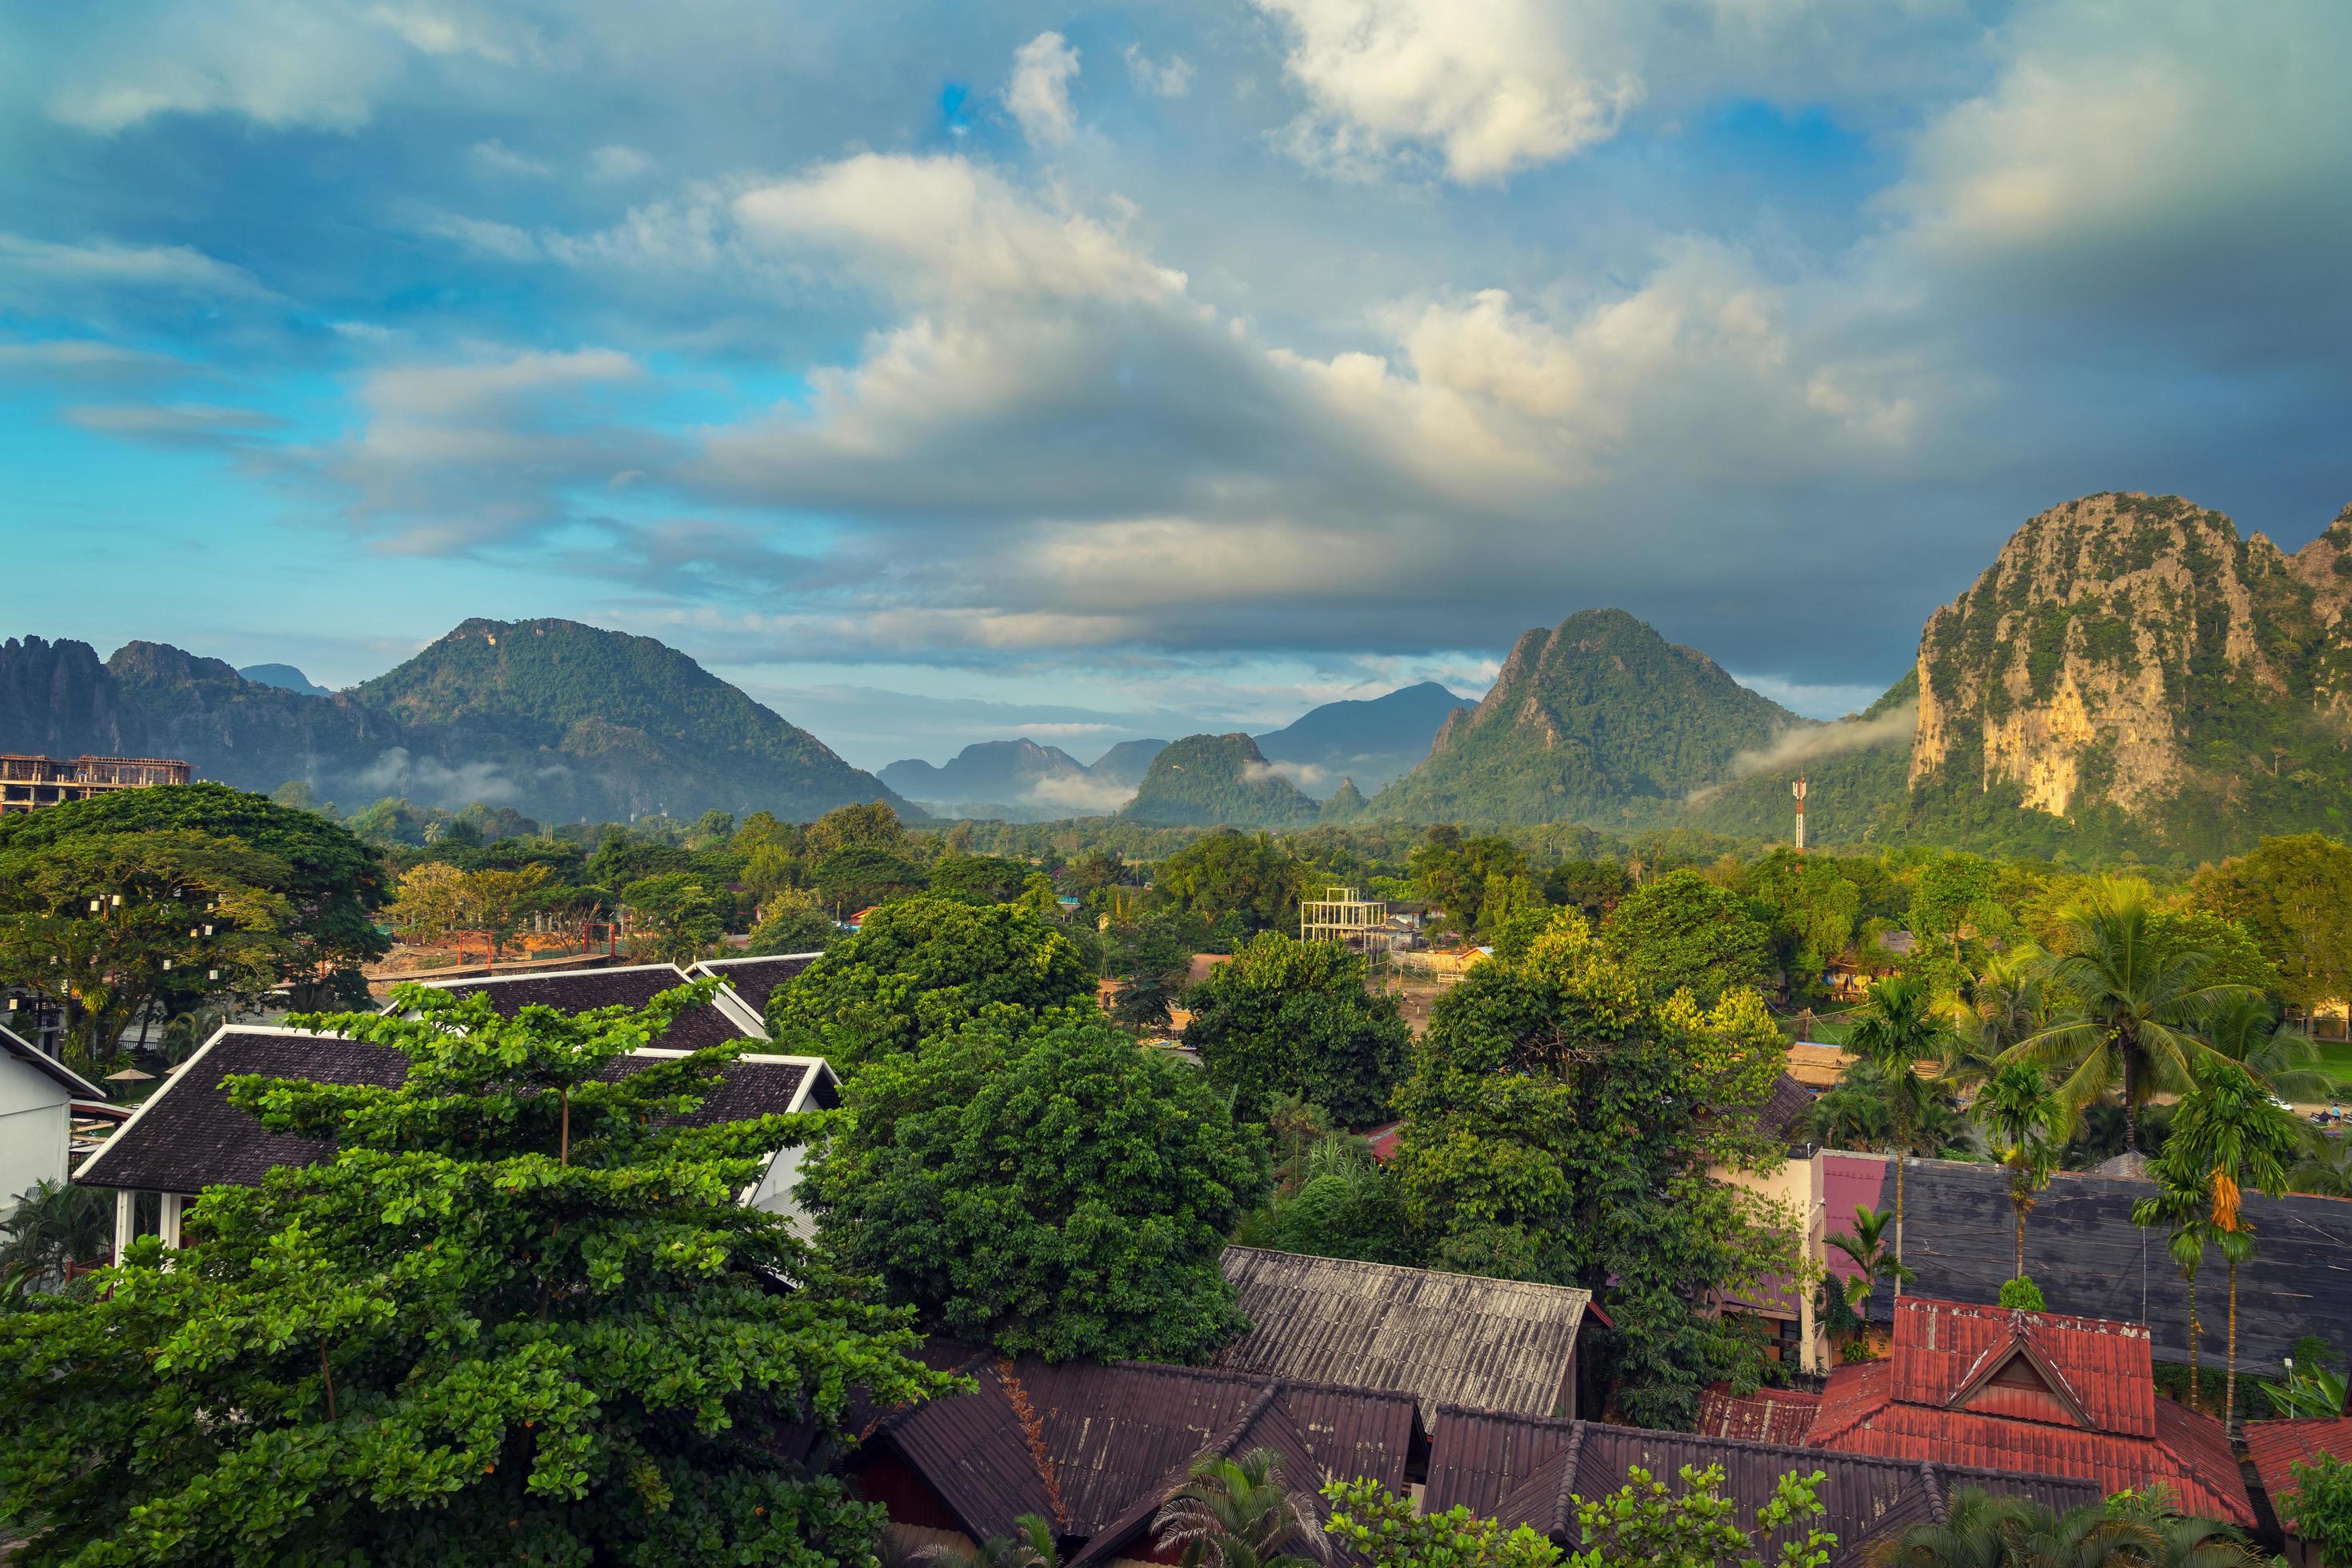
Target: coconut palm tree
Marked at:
1981, 1531
2009, 1000
1898, 1026
1031, 1545
2225, 1137
2131, 1006
1852, 1115
2326, 1171
2020, 1113
2283, 1060
1867, 1245
1239, 1513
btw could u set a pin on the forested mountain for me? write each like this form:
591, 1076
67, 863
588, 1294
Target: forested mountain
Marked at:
1205, 780
285, 677
558, 720
1370, 741
1599, 719
1017, 781
1127, 762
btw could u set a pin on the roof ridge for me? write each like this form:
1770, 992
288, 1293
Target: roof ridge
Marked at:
1570, 1457
1033, 1434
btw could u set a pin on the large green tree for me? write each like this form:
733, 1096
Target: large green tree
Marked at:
678, 918
1045, 1185
1681, 930
1560, 1124
2294, 894
1250, 880
517, 1315
1293, 1017
331, 881
920, 967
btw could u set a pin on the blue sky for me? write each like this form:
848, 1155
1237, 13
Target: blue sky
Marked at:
941, 373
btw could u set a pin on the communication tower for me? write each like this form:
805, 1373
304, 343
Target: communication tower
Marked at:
1798, 789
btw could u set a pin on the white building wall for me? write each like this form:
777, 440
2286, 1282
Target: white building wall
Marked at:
35, 1124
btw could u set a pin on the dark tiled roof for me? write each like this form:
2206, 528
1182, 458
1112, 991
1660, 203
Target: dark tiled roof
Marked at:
580, 990
1443, 1337
1528, 1470
187, 1136
755, 979
1098, 1449
2030, 1391
2083, 1251
1787, 1106
2277, 1446
48, 1067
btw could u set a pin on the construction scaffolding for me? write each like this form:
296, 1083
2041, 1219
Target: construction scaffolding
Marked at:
1340, 916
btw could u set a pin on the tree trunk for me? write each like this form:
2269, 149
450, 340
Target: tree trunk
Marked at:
2021, 1243
2195, 1333
1899, 1158
2131, 1111
2229, 1376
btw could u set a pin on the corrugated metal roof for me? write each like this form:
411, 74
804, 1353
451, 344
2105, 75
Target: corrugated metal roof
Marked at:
584, 990
2083, 1250
1500, 1344
1099, 1447
1525, 1470
1767, 1415
755, 979
2028, 1392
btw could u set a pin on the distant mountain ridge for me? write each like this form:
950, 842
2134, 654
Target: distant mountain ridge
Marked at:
1599, 720
1217, 780
562, 721
285, 676
1014, 780
1369, 740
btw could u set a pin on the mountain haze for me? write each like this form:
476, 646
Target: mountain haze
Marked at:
1012, 780
1599, 720
284, 676
1209, 780
1370, 741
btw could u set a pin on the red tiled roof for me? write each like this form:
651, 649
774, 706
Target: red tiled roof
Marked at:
1767, 1415
2030, 1391
1848, 1181
1384, 1141
2278, 1446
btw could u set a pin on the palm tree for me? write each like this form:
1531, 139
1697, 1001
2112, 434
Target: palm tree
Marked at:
2019, 1110
1031, 1545
2225, 1137
2189, 1214
2284, 1061
1981, 1530
1898, 1028
1853, 1115
54, 1224
2324, 1171
2009, 1000
2132, 1005
1867, 1247
1237, 1514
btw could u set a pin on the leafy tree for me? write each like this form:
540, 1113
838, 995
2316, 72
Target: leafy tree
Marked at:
1252, 878
2325, 1170
790, 923
1682, 930
1293, 1017
983, 878
2021, 1294
677, 918
431, 904
53, 1224
1591, 886
860, 876
2312, 1390
1897, 1028
1644, 1525
2318, 1507
2227, 1135
1383, 1530
114, 924
1240, 1513
1347, 1205
2010, 1000
1981, 1530
872, 825
920, 968
517, 1315
1045, 1185
1561, 1125
2132, 1006
1815, 911
1853, 1114
1951, 897
2236, 958
332, 882
1468, 880
504, 901
2021, 1115
1144, 1001
2294, 894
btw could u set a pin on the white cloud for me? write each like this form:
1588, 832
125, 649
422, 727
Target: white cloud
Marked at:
495, 157
90, 361
1172, 79
175, 425
103, 264
483, 237
619, 162
1494, 85
1039, 93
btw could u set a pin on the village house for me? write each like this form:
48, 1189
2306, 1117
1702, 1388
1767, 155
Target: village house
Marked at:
754, 980
37, 1093
2276, 1447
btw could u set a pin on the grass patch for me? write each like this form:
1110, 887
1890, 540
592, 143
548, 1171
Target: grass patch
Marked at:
2335, 1061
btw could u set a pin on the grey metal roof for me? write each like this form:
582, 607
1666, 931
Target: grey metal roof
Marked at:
2089, 1258
755, 979
1500, 1344
186, 1136
583, 990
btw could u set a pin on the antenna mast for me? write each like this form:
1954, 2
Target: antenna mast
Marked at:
1798, 789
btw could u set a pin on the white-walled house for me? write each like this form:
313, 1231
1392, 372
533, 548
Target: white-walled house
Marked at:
37, 1096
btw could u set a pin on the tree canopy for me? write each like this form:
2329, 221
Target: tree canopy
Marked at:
1293, 1017
517, 1315
1045, 1185
1682, 930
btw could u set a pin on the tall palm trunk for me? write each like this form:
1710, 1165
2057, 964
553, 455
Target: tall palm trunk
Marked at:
2229, 1378
2131, 1106
2020, 1272
1898, 1221
2196, 1334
